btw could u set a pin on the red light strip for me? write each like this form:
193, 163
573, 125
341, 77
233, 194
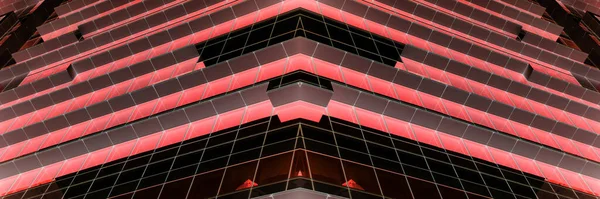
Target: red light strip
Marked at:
22, 124
363, 87
390, 33
138, 57
547, 69
452, 143
52, 69
460, 111
440, 50
197, 93
500, 123
518, 8
174, 22
467, 18
264, 109
19, 5
293, 63
554, 174
74, 27
527, 27
62, 65
583, 6
457, 15
465, 59
159, 139
55, 88
97, 96
79, 9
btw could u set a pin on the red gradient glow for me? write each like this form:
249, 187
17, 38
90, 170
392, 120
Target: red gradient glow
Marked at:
357, 21
502, 96
97, 96
357, 115
547, 69
334, 109
63, 64
524, 26
438, 138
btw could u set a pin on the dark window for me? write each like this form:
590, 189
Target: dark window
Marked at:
274, 169
423, 189
359, 177
326, 169
238, 178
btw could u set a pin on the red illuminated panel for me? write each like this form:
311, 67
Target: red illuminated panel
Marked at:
309, 7
547, 69
500, 95
525, 26
463, 17
411, 131
171, 23
92, 126
100, 95
147, 109
357, 115
298, 61
133, 147
71, 6
248, 77
299, 109
58, 31
37, 94
242, 21
449, 142
74, 26
485, 119
521, 8
53, 68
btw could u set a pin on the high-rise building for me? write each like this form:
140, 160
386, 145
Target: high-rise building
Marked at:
300, 99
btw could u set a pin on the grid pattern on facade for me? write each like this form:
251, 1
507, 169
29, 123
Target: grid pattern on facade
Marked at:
114, 106
260, 151
301, 24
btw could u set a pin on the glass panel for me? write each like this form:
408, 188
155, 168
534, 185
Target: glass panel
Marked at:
238, 178
326, 169
273, 169
423, 189
360, 177
176, 189
393, 185
206, 185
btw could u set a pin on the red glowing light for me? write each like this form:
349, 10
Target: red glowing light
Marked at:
352, 184
246, 185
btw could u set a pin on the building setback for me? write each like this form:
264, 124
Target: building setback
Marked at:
300, 99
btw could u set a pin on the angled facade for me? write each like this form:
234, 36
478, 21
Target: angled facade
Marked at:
299, 99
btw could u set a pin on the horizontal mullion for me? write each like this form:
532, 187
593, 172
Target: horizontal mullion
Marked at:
73, 6
419, 122
525, 6
507, 46
102, 88
475, 79
97, 45
65, 24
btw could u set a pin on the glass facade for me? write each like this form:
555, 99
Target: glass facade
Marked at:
321, 156
298, 98
300, 24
